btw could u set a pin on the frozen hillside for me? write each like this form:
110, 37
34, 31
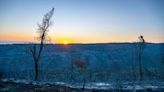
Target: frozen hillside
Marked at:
115, 62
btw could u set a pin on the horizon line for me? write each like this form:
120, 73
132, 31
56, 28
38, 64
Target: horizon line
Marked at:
24, 42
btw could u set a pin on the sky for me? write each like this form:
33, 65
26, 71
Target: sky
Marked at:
83, 21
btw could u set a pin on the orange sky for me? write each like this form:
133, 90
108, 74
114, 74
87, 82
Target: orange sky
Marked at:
58, 39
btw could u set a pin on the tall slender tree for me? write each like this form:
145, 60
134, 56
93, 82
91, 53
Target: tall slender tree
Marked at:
141, 48
36, 51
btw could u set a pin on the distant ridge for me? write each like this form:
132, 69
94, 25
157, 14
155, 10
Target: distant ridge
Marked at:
18, 42
15, 42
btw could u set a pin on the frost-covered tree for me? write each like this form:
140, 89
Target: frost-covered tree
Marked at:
36, 51
141, 45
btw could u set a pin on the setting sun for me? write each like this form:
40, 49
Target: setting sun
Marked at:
65, 42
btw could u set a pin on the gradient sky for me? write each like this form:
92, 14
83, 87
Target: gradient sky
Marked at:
84, 21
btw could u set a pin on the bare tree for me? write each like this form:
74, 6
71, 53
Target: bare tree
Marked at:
141, 47
81, 66
42, 29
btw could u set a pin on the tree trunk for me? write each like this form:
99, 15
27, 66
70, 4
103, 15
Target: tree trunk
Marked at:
140, 64
36, 71
37, 60
83, 83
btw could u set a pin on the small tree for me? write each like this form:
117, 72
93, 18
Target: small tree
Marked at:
43, 29
141, 45
81, 66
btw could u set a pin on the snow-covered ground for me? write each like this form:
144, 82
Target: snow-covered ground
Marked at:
100, 85
107, 65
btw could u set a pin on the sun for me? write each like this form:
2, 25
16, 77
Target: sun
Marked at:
65, 42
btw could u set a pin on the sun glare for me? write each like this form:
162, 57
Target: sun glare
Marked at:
65, 42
